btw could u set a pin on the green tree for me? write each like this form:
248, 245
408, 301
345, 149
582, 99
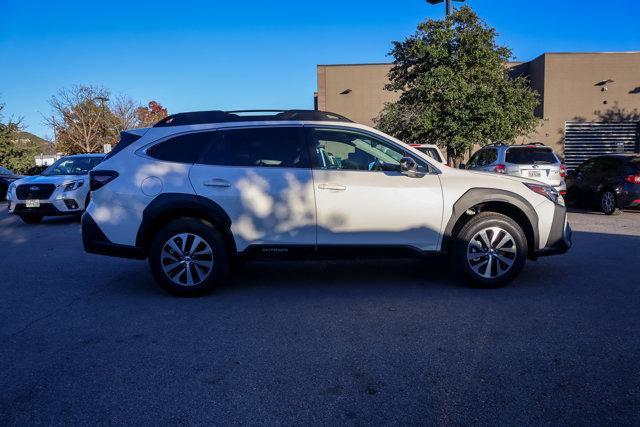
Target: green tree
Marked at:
455, 90
14, 155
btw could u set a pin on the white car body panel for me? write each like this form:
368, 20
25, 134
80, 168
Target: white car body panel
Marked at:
268, 206
365, 208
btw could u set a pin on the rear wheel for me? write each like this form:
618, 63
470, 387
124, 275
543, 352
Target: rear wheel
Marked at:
31, 218
609, 203
490, 250
188, 257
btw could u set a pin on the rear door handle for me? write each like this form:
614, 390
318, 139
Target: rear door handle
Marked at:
217, 183
336, 187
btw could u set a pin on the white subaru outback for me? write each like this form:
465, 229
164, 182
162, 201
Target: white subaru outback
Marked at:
199, 189
61, 189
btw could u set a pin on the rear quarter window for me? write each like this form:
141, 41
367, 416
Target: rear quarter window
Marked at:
186, 148
530, 155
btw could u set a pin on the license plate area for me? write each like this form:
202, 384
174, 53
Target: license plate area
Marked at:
33, 203
534, 174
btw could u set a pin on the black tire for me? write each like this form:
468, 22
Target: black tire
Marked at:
609, 203
203, 281
513, 250
31, 218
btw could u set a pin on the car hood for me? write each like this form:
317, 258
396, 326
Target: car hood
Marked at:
9, 177
54, 179
496, 177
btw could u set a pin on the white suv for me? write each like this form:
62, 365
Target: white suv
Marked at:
61, 189
199, 189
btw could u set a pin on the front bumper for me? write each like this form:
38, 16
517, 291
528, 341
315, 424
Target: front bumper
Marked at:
95, 242
59, 203
560, 235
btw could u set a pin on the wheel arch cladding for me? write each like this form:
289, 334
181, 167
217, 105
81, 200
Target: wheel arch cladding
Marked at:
169, 206
501, 201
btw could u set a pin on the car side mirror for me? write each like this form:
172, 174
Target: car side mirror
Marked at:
408, 166
462, 166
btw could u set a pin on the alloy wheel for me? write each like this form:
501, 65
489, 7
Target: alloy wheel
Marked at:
608, 202
186, 259
491, 252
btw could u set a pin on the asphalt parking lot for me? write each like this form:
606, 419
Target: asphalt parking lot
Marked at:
90, 339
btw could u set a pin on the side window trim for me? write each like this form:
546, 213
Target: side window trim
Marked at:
315, 164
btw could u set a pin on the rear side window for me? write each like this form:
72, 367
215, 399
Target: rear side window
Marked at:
431, 152
186, 148
261, 147
530, 155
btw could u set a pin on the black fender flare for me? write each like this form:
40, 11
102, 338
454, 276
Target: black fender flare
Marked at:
477, 196
171, 205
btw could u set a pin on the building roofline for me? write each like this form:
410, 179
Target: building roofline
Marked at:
364, 64
355, 65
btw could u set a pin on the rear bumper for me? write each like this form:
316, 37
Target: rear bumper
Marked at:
560, 236
95, 242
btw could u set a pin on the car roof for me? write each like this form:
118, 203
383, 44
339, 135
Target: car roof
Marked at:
218, 116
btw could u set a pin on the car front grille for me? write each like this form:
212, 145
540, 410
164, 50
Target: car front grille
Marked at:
34, 191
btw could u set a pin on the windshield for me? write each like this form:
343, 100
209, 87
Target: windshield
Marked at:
72, 166
5, 171
530, 155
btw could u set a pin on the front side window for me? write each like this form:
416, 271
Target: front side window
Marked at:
484, 157
349, 150
186, 148
73, 166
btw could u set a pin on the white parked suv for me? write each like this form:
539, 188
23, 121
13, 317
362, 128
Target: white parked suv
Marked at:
61, 189
199, 189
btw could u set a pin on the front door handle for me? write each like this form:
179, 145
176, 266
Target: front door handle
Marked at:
336, 187
217, 183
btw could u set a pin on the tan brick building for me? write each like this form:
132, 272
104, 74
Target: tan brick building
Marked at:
591, 101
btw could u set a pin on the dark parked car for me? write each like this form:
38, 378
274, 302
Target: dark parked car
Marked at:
610, 182
6, 178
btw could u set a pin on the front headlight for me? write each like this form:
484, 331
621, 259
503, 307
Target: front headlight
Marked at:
544, 190
72, 186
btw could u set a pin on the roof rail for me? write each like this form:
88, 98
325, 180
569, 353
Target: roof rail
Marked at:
218, 116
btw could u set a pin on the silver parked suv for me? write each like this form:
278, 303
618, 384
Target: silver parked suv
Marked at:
534, 161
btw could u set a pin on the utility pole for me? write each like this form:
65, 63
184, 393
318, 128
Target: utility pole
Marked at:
448, 4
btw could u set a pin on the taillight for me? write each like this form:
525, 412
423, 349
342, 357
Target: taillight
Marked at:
634, 179
500, 169
98, 179
562, 171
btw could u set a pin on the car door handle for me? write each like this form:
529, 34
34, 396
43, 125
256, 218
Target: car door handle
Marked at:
217, 183
336, 187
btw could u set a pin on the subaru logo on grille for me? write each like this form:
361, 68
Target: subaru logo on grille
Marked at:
33, 188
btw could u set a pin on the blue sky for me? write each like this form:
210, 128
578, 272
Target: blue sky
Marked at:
194, 55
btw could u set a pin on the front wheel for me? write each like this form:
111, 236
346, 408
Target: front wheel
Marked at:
31, 218
490, 250
608, 203
188, 257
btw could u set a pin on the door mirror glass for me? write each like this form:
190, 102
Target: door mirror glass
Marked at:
462, 166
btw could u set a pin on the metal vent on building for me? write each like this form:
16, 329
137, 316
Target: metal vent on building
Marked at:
583, 140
